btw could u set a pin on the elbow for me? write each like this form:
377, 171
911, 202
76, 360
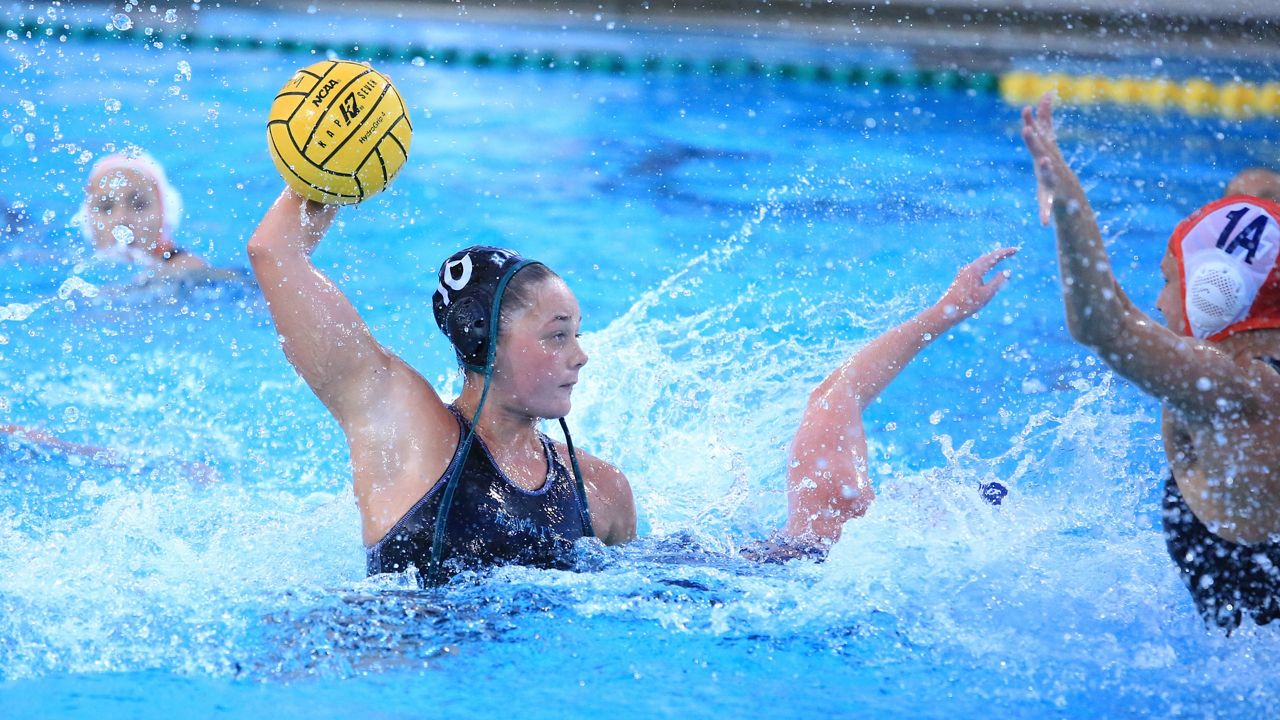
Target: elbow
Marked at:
1084, 332
837, 394
1097, 329
258, 248
857, 499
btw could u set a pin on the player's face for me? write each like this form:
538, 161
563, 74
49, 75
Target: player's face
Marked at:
539, 357
124, 210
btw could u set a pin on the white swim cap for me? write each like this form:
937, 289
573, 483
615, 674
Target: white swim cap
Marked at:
1226, 253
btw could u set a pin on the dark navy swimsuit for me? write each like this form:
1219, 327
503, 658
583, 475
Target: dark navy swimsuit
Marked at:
492, 521
1228, 581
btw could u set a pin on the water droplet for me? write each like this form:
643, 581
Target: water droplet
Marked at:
120, 21
170, 15
1204, 384
112, 105
122, 234
71, 415
184, 70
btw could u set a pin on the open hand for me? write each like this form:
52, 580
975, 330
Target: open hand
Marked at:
1037, 133
970, 292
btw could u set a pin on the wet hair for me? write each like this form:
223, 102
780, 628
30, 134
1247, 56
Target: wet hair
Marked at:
1257, 182
521, 289
519, 296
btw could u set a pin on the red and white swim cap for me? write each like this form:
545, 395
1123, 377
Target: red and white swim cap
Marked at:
1226, 253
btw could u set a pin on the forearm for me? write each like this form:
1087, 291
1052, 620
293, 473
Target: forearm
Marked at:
312, 315
861, 378
290, 230
49, 440
1095, 305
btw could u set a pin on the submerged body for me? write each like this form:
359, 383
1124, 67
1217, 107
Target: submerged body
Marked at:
406, 446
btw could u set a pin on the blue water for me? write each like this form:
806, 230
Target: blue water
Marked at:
730, 240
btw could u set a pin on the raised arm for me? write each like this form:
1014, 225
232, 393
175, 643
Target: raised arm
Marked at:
827, 479
323, 336
1171, 366
1097, 308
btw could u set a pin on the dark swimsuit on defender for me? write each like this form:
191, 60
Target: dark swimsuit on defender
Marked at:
491, 522
1228, 581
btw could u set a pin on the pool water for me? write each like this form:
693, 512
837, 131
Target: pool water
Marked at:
730, 240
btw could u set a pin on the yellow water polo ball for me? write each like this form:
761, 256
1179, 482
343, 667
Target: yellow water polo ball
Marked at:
338, 132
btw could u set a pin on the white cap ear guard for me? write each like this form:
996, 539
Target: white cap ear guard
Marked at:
1227, 253
1217, 296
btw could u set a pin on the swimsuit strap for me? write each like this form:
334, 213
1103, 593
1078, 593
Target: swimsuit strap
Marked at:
587, 529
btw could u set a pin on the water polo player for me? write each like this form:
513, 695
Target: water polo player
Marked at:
444, 487
130, 212
1215, 368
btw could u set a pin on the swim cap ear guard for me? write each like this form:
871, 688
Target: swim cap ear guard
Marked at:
468, 295
467, 304
1226, 253
466, 324
1216, 296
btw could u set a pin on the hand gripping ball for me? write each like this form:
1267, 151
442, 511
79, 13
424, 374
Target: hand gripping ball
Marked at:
338, 132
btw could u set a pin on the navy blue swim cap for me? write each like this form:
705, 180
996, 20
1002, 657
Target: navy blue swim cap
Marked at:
468, 294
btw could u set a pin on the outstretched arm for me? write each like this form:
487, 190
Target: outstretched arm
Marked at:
324, 336
1165, 364
827, 479
49, 440
197, 472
